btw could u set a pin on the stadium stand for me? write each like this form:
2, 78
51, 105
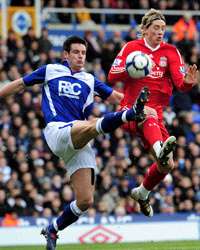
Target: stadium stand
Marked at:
34, 183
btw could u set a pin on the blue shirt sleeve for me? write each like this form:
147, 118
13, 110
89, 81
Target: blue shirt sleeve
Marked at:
36, 77
101, 89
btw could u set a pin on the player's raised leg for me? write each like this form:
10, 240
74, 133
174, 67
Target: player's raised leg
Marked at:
83, 131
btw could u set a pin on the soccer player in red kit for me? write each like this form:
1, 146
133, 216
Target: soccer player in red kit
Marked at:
168, 72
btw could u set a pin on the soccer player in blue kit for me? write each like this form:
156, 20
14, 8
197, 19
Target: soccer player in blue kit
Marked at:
67, 99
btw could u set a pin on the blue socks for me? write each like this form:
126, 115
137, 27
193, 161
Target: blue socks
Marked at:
112, 121
70, 214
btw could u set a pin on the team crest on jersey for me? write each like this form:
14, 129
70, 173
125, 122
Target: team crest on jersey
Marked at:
163, 61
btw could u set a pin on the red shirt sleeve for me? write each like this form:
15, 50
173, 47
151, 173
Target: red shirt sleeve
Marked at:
177, 71
118, 69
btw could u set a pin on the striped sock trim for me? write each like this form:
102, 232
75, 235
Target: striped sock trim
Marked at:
55, 225
75, 209
98, 126
124, 116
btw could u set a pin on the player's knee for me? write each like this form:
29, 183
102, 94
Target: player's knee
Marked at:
151, 117
150, 113
150, 120
86, 203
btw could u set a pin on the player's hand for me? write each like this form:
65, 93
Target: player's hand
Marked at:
191, 77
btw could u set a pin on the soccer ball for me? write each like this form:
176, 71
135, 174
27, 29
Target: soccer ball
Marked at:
138, 64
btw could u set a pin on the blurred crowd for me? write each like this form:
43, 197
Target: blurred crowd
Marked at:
33, 182
118, 4
85, 16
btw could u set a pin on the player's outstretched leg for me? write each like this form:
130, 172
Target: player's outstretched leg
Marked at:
51, 238
112, 121
154, 176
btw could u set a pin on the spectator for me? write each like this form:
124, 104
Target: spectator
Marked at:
94, 48
5, 169
185, 28
44, 43
83, 17
29, 38
4, 206
54, 17
10, 220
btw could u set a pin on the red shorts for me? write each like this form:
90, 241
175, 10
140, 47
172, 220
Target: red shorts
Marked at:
132, 128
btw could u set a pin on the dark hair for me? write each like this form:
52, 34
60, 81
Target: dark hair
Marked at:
73, 39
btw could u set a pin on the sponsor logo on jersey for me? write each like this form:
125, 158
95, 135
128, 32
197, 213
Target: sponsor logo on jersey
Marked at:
117, 62
156, 74
69, 89
163, 61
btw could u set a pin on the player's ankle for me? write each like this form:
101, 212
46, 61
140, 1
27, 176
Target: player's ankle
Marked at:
143, 192
157, 148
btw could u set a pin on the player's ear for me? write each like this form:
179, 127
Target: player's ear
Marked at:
65, 54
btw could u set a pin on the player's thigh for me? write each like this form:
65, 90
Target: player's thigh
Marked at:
83, 182
82, 132
82, 158
164, 132
58, 138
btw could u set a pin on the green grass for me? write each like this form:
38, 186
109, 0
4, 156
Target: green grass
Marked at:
167, 245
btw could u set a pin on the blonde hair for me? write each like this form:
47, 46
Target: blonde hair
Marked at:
149, 17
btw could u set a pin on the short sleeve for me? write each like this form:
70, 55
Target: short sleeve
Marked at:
101, 89
36, 77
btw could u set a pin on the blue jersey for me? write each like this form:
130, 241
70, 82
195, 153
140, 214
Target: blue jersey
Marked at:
66, 96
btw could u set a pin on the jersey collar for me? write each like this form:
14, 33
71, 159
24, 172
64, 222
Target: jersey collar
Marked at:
65, 63
149, 47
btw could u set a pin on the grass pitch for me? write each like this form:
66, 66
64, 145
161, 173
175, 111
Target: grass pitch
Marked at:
167, 245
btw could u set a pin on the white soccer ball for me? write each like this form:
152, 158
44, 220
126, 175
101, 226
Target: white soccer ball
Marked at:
138, 64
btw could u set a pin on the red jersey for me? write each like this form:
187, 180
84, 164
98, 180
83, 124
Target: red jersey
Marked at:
168, 71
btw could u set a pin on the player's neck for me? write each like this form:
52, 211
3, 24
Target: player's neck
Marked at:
151, 46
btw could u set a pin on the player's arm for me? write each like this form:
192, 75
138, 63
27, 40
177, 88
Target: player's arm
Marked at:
12, 88
106, 92
183, 79
115, 97
118, 69
16, 86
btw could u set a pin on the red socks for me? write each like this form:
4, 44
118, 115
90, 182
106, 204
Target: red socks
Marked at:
153, 177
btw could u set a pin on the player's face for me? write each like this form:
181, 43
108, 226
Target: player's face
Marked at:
155, 32
76, 56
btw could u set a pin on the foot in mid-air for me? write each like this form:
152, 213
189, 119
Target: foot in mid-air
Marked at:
51, 239
166, 150
145, 205
140, 103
